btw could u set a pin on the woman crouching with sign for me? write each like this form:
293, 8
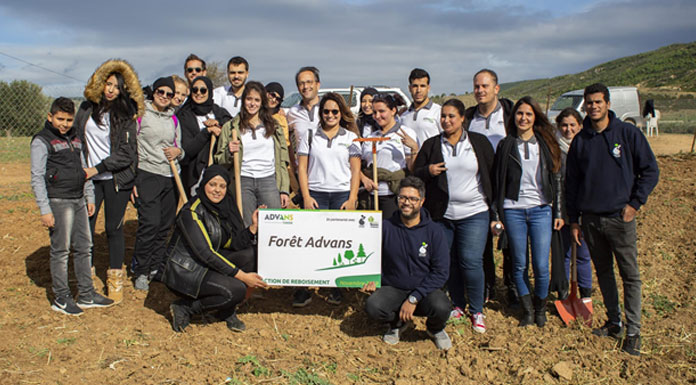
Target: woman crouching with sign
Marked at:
456, 167
210, 255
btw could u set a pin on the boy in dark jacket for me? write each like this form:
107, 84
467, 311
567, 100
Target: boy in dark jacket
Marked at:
60, 186
415, 265
610, 172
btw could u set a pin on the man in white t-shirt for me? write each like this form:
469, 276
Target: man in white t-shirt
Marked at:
305, 115
229, 97
489, 117
423, 116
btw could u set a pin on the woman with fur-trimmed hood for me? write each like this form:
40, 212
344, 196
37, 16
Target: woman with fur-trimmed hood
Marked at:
107, 122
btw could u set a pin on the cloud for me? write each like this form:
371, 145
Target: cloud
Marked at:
352, 42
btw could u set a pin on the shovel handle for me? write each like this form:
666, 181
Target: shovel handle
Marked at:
237, 177
179, 185
213, 139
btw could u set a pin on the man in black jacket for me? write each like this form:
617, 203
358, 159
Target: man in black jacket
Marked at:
489, 117
610, 172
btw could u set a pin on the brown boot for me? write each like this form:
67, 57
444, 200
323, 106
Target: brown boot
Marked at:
96, 282
114, 284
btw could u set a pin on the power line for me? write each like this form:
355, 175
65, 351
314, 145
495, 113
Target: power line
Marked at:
40, 67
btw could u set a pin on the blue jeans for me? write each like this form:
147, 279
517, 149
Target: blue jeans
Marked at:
71, 231
329, 200
535, 223
467, 240
256, 192
584, 262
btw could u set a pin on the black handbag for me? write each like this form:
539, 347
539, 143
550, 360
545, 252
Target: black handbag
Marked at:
183, 274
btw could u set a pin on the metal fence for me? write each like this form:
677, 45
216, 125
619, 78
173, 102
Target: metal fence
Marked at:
24, 105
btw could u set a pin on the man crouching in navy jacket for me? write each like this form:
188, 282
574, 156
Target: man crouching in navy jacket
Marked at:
415, 265
610, 172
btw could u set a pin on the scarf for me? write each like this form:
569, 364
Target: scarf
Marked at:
563, 143
226, 209
203, 108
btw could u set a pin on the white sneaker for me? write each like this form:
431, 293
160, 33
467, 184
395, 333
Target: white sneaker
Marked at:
477, 322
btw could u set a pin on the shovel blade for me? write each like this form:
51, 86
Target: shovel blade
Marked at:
565, 310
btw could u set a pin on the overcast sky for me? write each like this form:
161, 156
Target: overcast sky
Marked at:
351, 41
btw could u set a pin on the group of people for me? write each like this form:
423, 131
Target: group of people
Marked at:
448, 180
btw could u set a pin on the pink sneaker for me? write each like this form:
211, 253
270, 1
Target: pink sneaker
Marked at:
456, 313
477, 322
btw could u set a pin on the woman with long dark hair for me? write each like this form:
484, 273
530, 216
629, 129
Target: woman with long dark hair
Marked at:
159, 142
263, 153
366, 122
528, 200
210, 258
455, 166
200, 120
107, 122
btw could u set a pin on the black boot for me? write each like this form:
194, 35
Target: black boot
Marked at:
235, 324
585, 292
181, 310
539, 311
527, 310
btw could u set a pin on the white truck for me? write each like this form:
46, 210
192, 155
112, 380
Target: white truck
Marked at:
625, 102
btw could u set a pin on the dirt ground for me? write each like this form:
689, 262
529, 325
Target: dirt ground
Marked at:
324, 344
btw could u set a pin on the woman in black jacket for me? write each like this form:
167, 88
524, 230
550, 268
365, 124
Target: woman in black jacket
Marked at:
210, 255
200, 119
107, 122
528, 200
456, 166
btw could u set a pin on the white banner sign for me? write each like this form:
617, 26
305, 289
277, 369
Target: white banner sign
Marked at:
327, 248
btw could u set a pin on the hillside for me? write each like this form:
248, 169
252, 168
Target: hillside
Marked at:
670, 68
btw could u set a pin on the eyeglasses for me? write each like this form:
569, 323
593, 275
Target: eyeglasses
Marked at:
326, 111
194, 69
413, 200
202, 90
164, 93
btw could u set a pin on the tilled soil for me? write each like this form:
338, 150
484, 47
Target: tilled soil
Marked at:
321, 344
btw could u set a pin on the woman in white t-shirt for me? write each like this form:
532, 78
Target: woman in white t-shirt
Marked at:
394, 156
329, 159
263, 153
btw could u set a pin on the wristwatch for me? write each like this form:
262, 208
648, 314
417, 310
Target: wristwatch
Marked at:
412, 299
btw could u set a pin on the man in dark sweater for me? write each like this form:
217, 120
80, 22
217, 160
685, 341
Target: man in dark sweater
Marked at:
610, 172
415, 265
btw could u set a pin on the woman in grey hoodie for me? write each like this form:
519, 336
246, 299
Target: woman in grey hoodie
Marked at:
155, 193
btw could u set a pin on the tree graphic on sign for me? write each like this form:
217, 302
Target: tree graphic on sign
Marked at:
349, 259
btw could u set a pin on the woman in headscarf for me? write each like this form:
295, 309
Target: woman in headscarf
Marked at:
210, 255
107, 122
200, 119
159, 142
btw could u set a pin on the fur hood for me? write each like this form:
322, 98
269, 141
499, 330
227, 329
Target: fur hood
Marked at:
95, 86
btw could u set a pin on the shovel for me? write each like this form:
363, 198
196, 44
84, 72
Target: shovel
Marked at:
573, 308
374, 164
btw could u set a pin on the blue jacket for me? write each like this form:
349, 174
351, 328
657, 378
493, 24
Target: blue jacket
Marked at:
607, 170
415, 258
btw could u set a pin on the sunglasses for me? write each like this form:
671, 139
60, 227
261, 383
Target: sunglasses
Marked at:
164, 93
326, 111
273, 95
194, 69
201, 90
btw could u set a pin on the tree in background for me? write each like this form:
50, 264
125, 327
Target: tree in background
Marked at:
217, 73
23, 108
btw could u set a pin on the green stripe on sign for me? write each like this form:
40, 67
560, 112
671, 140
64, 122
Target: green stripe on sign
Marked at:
358, 280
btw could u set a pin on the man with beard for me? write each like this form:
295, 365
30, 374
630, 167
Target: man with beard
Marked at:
610, 172
229, 97
415, 265
423, 116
